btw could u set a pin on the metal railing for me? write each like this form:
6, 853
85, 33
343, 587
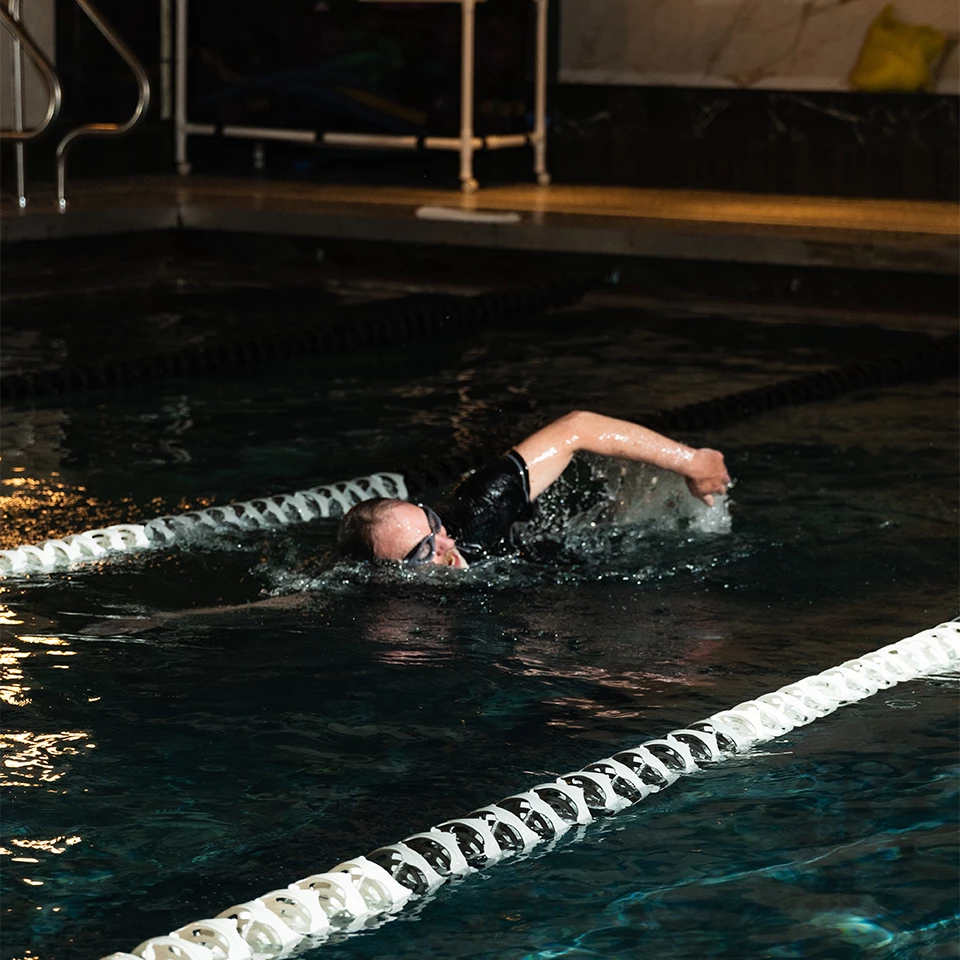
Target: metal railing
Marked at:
10, 18
104, 129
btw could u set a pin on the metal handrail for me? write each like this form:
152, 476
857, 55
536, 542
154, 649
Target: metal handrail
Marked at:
23, 41
49, 74
104, 129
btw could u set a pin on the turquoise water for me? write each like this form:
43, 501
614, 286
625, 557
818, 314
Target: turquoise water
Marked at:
160, 776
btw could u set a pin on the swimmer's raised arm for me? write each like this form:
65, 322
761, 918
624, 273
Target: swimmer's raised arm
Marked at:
548, 451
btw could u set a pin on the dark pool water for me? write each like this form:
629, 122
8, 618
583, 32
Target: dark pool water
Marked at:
160, 776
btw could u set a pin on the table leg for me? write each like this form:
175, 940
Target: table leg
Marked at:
468, 10
540, 99
180, 92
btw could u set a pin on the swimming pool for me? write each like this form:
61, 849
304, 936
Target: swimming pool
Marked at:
159, 777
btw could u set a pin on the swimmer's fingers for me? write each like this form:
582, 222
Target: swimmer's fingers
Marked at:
707, 475
705, 487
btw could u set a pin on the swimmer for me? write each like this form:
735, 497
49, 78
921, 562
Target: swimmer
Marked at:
475, 520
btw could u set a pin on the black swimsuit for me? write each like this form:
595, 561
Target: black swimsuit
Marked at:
480, 511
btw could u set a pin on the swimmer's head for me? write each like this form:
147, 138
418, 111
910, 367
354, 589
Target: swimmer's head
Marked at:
382, 529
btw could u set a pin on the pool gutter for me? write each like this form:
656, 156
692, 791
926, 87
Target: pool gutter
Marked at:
854, 234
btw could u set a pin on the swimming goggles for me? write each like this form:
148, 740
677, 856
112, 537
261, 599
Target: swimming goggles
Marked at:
426, 549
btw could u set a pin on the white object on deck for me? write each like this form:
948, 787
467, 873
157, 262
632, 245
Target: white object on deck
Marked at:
455, 214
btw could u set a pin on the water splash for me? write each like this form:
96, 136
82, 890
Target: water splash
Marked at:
602, 519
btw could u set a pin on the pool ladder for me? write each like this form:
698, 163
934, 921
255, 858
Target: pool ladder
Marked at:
10, 17
23, 41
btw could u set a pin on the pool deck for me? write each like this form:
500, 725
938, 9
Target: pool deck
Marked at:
861, 234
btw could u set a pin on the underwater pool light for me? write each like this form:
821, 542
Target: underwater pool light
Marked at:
358, 890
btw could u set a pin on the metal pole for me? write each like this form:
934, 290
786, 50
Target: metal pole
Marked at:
468, 10
47, 74
180, 103
103, 129
18, 106
540, 99
166, 51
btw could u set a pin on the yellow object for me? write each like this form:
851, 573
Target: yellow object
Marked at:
896, 55
417, 117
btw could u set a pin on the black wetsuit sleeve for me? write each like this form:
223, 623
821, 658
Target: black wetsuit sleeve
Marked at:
480, 511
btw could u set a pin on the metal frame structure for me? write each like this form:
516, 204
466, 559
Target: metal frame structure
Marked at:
10, 18
465, 145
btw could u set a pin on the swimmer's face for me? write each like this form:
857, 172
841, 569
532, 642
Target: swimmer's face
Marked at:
402, 527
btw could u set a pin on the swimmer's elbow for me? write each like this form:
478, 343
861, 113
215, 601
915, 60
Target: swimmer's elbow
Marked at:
576, 421
579, 427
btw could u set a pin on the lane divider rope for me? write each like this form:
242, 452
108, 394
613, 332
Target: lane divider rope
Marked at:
331, 500
349, 894
937, 356
336, 330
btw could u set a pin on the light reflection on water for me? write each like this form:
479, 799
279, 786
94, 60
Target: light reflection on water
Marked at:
36, 759
54, 845
35, 505
13, 692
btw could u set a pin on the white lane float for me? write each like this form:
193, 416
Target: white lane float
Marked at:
397, 873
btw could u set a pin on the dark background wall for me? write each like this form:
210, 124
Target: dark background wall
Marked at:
324, 64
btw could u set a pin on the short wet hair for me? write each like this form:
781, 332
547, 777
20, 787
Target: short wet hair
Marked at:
355, 533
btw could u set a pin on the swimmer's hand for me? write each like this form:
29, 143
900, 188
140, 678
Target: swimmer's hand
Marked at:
706, 474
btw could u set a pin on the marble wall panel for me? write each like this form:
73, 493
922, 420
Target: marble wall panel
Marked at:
767, 44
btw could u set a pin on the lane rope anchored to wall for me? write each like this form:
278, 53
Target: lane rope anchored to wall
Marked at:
352, 892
